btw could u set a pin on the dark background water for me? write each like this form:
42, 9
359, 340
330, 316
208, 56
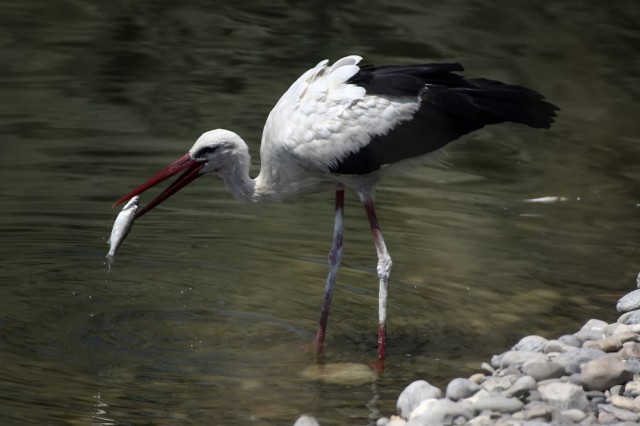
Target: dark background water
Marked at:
208, 312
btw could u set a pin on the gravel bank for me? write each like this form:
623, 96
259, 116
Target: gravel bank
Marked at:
590, 377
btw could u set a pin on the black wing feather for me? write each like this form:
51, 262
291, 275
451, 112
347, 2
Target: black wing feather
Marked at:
450, 106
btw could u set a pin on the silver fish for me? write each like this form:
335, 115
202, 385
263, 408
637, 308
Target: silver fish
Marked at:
121, 227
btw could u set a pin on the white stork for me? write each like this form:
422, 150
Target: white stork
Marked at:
346, 126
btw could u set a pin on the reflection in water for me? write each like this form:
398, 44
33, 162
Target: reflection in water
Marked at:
206, 316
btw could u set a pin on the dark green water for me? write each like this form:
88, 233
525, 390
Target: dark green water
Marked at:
208, 312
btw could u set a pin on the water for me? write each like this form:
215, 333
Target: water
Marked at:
210, 307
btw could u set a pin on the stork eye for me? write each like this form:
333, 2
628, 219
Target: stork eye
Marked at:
206, 150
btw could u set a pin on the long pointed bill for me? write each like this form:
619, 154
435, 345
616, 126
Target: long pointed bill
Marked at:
186, 164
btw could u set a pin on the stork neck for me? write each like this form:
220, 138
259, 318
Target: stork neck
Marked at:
240, 184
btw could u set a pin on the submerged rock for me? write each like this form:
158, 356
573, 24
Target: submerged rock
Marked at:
340, 373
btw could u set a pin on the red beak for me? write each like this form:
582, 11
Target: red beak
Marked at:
186, 164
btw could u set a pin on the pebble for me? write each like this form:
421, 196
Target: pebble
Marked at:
604, 372
306, 421
623, 402
459, 389
616, 328
572, 360
564, 396
517, 358
630, 351
608, 344
570, 340
501, 404
530, 344
574, 415
629, 318
588, 378
521, 387
619, 413
346, 373
629, 302
632, 389
543, 370
438, 411
414, 394
558, 346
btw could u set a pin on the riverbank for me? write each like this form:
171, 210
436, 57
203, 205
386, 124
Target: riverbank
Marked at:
590, 377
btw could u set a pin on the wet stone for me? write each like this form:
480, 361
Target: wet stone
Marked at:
498, 403
604, 372
595, 324
488, 368
615, 390
632, 389
630, 351
543, 370
630, 318
557, 346
534, 395
609, 344
306, 421
629, 336
563, 396
589, 334
629, 301
616, 328
438, 411
574, 415
347, 373
632, 365
484, 420
624, 402
538, 410
619, 413
570, 340
530, 344
572, 360
396, 421
605, 417
517, 358
459, 389
498, 384
414, 394
477, 378
521, 387
510, 371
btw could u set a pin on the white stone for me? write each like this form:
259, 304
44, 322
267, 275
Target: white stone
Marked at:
517, 358
574, 415
498, 403
458, 389
414, 394
563, 396
629, 301
438, 411
306, 421
531, 343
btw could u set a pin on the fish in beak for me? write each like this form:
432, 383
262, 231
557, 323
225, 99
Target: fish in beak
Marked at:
190, 169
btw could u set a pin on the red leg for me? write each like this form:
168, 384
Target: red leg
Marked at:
384, 271
335, 256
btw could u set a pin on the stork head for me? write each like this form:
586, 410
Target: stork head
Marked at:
215, 152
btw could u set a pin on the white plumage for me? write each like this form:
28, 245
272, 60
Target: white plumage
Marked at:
344, 126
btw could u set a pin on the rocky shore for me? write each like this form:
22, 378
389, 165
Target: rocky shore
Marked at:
590, 377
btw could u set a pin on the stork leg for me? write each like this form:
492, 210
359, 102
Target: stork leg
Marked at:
335, 256
384, 271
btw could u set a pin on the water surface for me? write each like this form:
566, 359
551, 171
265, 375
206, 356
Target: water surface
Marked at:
208, 313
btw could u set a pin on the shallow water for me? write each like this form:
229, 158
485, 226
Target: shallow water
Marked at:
208, 313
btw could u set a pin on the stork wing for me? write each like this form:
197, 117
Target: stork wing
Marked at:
348, 119
322, 118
